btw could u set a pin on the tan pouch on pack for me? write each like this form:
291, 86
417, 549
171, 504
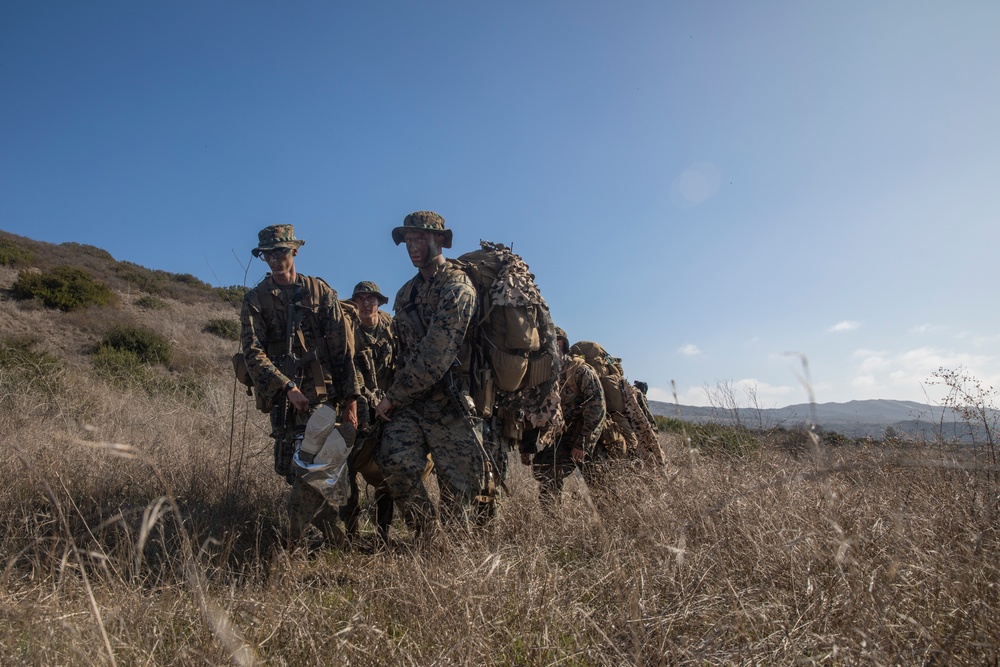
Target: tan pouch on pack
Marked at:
613, 394
539, 370
509, 368
484, 393
521, 331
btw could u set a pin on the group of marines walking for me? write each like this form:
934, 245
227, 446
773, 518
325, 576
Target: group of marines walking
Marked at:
399, 393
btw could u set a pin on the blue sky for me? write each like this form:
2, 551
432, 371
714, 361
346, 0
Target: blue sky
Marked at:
702, 187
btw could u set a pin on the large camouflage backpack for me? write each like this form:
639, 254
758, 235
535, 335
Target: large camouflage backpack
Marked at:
608, 368
515, 363
618, 436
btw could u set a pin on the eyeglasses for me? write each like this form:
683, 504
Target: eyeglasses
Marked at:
275, 253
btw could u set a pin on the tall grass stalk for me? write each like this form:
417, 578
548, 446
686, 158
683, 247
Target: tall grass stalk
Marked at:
140, 528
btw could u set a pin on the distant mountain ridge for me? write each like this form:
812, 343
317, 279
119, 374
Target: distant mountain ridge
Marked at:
856, 419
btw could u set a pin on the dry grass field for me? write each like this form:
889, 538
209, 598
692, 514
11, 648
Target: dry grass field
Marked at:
140, 525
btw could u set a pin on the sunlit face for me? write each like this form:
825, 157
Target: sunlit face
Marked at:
367, 307
422, 246
280, 260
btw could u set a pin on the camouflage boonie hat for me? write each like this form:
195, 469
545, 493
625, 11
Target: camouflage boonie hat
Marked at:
368, 287
276, 236
425, 220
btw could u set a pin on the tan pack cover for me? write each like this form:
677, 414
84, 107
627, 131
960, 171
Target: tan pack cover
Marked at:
510, 317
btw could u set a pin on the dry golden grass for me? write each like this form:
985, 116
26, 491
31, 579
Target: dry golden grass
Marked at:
143, 529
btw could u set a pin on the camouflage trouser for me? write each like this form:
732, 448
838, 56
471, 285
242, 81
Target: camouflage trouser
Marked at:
431, 426
362, 462
554, 464
305, 505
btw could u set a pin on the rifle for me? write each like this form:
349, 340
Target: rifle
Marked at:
291, 366
468, 412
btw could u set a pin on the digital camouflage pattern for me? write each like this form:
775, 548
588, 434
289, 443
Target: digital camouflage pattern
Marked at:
433, 427
615, 390
583, 406
583, 411
431, 338
324, 328
648, 445
639, 391
539, 406
425, 221
327, 332
368, 287
276, 236
374, 356
374, 361
444, 305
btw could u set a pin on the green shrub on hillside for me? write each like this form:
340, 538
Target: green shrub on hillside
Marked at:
141, 278
233, 294
121, 367
730, 439
188, 279
148, 346
87, 249
11, 254
228, 329
668, 424
126, 369
162, 283
29, 369
150, 302
63, 287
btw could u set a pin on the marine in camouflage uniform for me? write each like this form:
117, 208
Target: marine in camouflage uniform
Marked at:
374, 361
321, 338
639, 390
645, 425
433, 314
583, 414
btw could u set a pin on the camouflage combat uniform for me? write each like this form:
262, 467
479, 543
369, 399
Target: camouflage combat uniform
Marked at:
583, 412
327, 334
644, 425
374, 361
432, 319
639, 391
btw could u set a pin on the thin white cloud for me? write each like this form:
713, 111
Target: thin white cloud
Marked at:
660, 394
873, 362
846, 325
864, 382
889, 375
767, 395
690, 350
745, 393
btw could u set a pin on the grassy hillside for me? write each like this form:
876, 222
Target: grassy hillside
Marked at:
139, 525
